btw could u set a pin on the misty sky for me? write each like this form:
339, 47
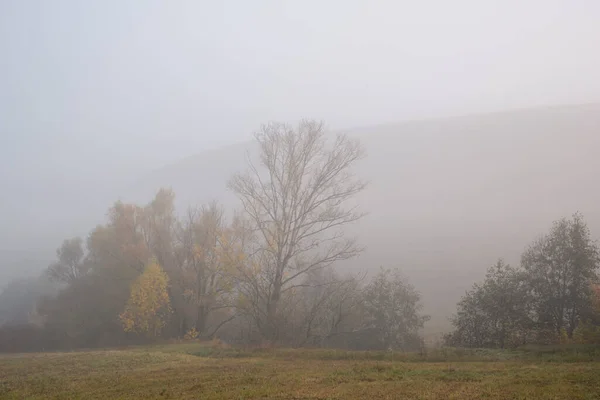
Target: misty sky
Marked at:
93, 87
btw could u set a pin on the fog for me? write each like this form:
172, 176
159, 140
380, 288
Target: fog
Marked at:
446, 197
480, 119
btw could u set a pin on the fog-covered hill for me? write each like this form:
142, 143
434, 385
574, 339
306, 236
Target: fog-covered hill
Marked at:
446, 198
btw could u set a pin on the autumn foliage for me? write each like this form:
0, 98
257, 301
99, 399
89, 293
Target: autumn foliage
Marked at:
149, 305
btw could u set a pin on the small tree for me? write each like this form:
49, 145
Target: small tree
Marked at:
297, 205
495, 313
392, 312
326, 308
148, 306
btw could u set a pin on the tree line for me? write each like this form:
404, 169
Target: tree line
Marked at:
266, 273
272, 272
552, 297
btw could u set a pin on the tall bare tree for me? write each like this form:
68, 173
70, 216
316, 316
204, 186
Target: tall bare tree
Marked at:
298, 204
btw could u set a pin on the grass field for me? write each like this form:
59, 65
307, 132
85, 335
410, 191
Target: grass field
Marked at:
196, 371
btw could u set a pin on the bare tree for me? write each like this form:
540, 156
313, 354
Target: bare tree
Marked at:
329, 308
298, 204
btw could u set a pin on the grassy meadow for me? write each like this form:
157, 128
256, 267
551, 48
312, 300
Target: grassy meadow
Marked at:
204, 371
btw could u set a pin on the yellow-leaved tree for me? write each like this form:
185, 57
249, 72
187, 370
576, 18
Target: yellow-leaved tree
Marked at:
148, 307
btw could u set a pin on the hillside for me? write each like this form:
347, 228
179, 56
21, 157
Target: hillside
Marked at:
447, 197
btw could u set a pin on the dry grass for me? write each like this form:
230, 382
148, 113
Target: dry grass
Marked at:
192, 372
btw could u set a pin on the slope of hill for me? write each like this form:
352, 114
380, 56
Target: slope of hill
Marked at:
447, 197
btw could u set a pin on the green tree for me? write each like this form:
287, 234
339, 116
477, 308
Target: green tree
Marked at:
494, 313
392, 309
561, 267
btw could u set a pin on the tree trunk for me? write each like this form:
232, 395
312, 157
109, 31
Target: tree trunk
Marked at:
271, 323
201, 320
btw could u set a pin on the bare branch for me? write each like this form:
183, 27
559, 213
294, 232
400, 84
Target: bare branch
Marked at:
300, 193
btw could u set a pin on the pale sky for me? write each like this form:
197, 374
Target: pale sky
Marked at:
96, 93
91, 88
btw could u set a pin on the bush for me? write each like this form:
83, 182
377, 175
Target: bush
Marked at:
587, 333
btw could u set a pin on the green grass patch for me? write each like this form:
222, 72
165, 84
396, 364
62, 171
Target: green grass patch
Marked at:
196, 370
562, 353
